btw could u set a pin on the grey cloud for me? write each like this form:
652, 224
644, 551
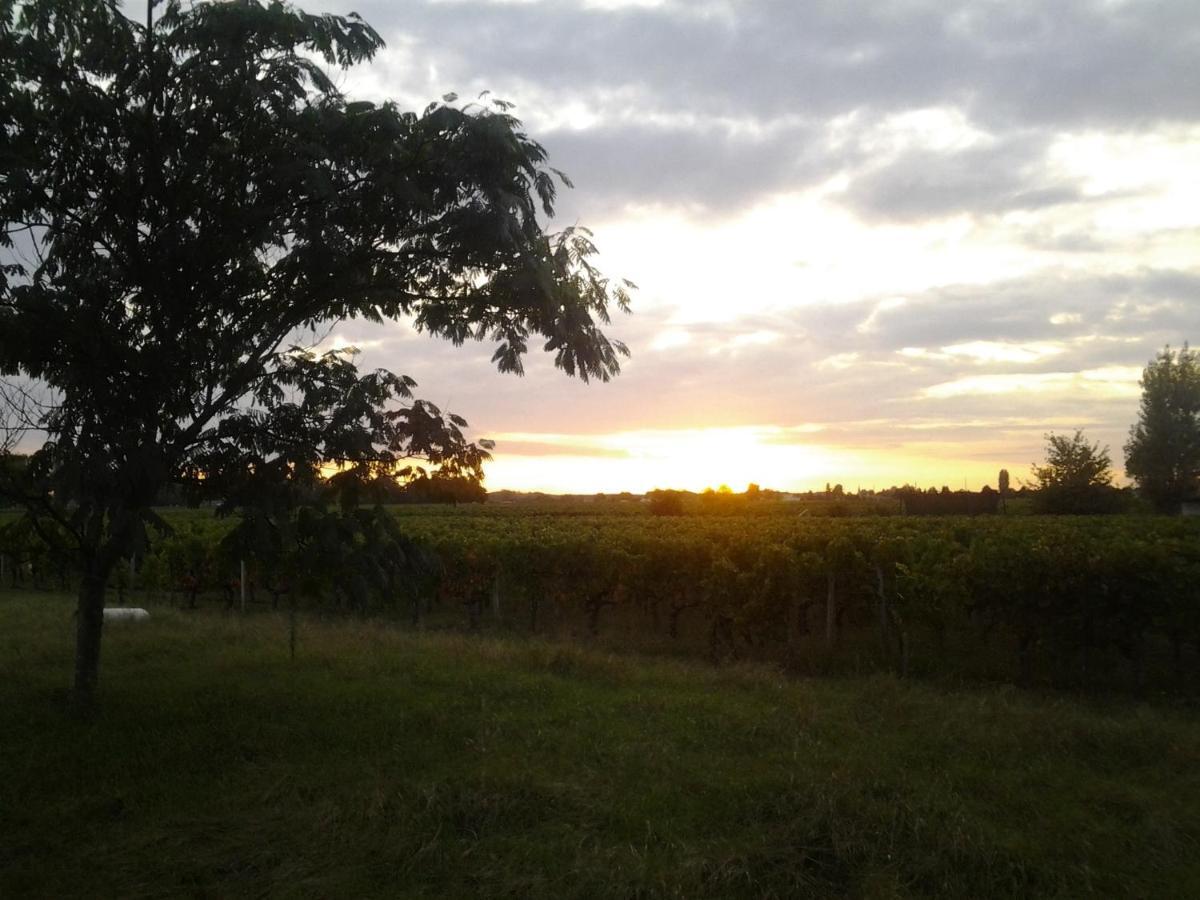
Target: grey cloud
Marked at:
1020, 310
1012, 67
708, 166
1065, 241
924, 183
1086, 62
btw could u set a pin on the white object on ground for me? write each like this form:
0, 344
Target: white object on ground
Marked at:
125, 614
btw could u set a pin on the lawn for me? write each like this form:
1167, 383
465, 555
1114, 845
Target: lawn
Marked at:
387, 763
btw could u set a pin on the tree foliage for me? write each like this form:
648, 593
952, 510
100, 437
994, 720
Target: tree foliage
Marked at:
183, 200
1163, 451
1076, 477
665, 502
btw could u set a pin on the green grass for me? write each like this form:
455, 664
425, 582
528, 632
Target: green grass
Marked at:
383, 763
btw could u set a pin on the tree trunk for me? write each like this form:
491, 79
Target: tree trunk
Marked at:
88, 628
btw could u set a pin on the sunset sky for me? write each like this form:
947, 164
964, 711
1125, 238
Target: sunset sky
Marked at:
874, 242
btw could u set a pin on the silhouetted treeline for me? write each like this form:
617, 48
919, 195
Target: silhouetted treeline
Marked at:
440, 490
916, 502
424, 489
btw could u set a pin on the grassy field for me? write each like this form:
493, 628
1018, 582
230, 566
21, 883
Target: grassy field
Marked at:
384, 763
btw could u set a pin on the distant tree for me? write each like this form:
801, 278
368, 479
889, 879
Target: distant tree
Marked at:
192, 194
452, 489
1076, 477
665, 503
838, 491
1163, 451
1003, 484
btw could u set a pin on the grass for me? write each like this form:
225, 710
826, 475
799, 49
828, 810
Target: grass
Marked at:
385, 763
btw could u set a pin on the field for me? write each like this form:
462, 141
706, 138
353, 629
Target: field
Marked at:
1108, 604
383, 762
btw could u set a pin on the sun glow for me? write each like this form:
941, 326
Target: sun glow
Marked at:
790, 459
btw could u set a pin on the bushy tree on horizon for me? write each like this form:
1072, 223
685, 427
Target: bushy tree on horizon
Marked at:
1076, 478
665, 502
1162, 454
182, 199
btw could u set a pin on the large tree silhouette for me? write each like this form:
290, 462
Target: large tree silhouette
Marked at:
181, 197
1076, 477
1163, 451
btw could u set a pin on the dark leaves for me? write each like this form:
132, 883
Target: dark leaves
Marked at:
325, 428
198, 194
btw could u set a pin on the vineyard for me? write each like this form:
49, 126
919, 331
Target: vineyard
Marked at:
1109, 601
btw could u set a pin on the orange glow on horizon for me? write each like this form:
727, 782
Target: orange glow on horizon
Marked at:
695, 459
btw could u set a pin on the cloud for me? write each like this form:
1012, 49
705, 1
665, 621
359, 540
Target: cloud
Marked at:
985, 352
1116, 381
1152, 306
579, 446
1076, 61
903, 222
1000, 177
703, 166
717, 105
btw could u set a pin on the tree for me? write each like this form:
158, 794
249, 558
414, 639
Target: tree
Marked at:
665, 502
1076, 477
1003, 483
1163, 451
184, 200
452, 489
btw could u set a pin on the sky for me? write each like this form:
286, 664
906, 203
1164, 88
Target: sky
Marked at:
874, 242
